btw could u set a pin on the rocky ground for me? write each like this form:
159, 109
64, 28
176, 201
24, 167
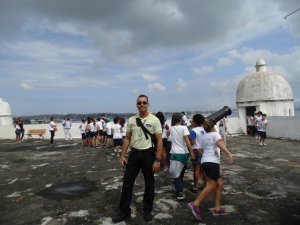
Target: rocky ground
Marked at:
65, 183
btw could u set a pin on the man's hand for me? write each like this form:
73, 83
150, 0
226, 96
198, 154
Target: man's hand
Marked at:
123, 161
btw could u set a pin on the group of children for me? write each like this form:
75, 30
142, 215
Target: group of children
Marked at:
202, 144
103, 132
257, 125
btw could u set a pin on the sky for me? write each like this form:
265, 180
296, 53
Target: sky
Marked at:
78, 56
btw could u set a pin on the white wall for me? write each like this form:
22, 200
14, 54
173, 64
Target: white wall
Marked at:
280, 127
8, 132
284, 127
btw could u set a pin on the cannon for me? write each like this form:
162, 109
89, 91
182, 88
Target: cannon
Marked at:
216, 116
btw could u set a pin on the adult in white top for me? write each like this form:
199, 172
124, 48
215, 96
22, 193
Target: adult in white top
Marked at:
67, 124
52, 129
210, 164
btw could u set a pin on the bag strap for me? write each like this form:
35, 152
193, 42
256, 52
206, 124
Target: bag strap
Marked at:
145, 130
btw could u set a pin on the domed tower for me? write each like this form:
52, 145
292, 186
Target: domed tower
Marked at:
264, 91
5, 114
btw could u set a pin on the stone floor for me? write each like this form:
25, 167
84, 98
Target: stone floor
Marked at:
65, 183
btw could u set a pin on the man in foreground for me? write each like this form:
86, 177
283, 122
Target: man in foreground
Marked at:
144, 155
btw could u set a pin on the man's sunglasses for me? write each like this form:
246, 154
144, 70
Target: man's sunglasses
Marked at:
140, 103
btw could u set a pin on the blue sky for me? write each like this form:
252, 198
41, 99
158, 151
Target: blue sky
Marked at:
76, 56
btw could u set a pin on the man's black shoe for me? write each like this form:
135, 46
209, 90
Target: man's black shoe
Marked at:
121, 216
147, 215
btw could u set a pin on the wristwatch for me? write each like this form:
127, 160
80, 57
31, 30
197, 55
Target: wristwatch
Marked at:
158, 160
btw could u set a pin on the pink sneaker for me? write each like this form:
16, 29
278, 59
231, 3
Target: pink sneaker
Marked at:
219, 212
195, 210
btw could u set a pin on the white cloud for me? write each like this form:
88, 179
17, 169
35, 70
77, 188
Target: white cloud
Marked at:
225, 61
202, 70
150, 77
156, 87
26, 86
181, 85
234, 54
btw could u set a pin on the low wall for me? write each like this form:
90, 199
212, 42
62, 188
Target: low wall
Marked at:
8, 132
284, 127
279, 127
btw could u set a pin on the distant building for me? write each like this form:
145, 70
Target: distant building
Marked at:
264, 91
5, 114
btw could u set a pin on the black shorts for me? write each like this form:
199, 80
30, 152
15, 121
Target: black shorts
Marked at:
211, 170
83, 136
263, 134
88, 134
110, 136
93, 134
101, 133
118, 142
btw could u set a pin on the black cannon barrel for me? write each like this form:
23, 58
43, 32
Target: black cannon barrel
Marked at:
215, 117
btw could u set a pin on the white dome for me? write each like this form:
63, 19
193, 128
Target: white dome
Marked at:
4, 108
5, 113
263, 86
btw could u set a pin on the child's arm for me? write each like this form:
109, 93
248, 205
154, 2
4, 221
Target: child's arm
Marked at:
189, 146
221, 145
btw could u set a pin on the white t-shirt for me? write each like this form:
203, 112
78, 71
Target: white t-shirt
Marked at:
99, 125
82, 128
210, 148
164, 133
178, 142
52, 125
256, 120
116, 130
92, 127
108, 128
199, 131
124, 130
185, 119
261, 125
67, 124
